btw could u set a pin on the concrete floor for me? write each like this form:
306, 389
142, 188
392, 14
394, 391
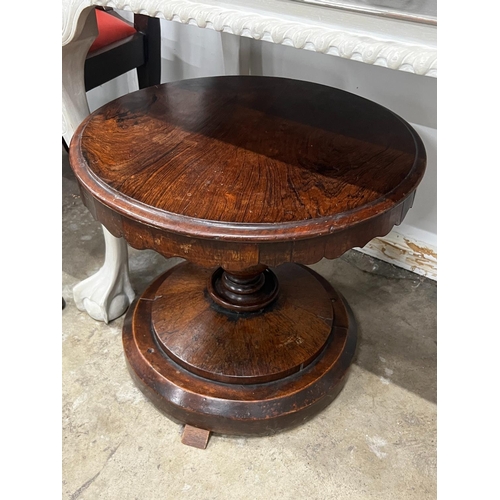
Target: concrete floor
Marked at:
377, 440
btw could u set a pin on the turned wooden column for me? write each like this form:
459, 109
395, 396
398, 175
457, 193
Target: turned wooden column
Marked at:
248, 290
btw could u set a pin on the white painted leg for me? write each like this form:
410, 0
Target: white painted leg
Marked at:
106, 295
74, 98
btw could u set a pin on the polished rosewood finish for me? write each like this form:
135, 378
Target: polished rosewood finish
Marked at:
241, 171
244, 176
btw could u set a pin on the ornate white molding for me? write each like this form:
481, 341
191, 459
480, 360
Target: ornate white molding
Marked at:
380, 42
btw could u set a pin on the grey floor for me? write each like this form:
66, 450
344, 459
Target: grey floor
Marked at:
377, 440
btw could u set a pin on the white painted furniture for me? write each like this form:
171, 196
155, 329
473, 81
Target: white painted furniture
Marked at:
401, 46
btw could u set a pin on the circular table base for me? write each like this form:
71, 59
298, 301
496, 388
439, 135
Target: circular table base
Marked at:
243, 374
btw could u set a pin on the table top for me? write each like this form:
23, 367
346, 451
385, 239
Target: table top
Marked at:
265, 157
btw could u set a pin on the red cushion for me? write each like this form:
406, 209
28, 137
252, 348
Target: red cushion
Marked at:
111, 29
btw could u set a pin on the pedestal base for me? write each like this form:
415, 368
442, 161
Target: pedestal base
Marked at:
239, 373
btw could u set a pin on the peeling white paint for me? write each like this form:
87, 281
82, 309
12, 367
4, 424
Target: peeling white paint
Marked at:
413, 255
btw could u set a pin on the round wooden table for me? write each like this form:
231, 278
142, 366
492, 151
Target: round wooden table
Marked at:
248, 179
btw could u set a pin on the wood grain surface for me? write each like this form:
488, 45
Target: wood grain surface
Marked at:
244, 173
236, 348
247, 159
248, 407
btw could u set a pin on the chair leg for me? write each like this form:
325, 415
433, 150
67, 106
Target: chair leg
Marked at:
149, 73
107, 294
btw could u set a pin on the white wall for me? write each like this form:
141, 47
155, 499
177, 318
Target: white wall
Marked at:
412, 97
190, 52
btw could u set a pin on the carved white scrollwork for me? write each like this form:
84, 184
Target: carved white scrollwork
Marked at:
252, 20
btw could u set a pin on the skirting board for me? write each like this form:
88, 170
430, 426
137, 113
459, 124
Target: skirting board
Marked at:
416, 256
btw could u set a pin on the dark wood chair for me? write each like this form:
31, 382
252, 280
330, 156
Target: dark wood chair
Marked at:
121, 47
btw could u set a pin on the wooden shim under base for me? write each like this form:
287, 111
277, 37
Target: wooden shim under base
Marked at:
197, 438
